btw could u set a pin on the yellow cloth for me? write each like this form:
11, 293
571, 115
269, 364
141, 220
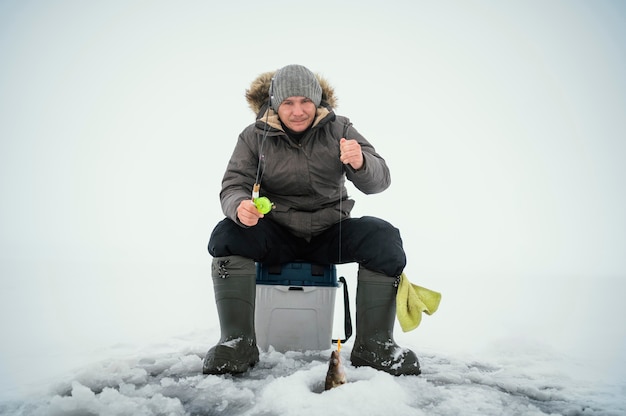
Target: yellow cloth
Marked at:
411, 301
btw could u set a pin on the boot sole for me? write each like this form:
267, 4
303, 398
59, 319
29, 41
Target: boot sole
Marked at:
360, 362
220, 360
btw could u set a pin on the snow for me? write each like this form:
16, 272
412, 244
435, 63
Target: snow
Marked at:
117, 119
167, 379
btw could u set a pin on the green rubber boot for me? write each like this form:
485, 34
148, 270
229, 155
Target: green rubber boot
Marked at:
374, 345
234, 283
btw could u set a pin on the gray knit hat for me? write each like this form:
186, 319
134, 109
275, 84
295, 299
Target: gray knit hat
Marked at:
294, 81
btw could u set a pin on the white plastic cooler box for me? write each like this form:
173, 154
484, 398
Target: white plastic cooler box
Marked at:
295, 305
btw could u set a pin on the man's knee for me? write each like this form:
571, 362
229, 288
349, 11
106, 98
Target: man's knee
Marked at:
382, 246
381, 229
221, 237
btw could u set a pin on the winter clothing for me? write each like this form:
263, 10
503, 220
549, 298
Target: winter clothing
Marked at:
304, 180
294, 81
411, 301
303, 176
360, 241
374, 345
234, 283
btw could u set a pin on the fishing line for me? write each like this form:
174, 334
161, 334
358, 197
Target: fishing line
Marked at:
259, 171
345, 133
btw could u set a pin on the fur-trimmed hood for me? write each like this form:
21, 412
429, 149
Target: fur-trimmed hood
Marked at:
258, 93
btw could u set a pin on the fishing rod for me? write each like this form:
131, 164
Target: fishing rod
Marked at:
262, 203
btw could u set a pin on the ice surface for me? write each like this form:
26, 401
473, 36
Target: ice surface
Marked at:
168, 380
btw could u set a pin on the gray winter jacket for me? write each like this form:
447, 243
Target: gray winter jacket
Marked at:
305, 181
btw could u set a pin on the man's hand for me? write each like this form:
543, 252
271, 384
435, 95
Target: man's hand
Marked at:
248, 213
351, 153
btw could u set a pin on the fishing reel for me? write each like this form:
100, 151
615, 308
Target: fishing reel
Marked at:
263, 204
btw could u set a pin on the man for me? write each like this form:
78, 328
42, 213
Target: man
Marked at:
300, 153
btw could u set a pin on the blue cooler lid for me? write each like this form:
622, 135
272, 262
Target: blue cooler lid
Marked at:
297, 274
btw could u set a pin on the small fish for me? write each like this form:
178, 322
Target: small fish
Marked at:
336, 376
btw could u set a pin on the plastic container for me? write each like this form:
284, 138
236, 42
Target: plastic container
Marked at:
295, 305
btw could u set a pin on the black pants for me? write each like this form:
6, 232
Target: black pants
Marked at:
373, 243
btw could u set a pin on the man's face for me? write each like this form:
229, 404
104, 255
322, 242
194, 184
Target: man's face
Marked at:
297, 113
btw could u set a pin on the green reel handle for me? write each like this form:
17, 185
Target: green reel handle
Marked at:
263, 204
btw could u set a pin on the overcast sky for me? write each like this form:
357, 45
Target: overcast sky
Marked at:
503, 124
